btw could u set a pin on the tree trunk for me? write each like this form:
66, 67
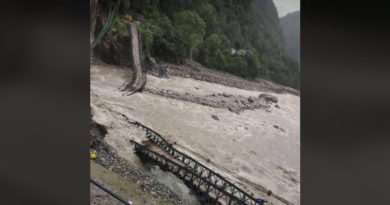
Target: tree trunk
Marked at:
92, 20
191, 56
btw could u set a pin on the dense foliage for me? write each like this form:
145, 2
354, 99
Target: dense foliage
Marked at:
208, 31
291, 27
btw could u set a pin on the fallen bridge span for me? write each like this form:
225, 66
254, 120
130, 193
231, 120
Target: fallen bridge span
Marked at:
209, 185
193, 164
221, 188
138, 80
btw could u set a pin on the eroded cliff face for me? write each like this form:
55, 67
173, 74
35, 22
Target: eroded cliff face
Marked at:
114, 51
257, 149
115, 46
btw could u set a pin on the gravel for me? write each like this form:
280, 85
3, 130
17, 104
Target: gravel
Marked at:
233, 103
108, 158
200, 73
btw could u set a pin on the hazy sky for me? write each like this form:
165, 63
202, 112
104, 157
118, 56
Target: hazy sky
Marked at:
286, 6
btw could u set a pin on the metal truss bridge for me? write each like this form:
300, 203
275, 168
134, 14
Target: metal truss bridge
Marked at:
209, 185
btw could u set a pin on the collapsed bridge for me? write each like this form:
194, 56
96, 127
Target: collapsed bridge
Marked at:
138, 80
209, 185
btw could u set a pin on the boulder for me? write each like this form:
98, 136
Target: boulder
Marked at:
269, 98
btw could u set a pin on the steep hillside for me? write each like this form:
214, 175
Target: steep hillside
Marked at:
241, 37
291, 28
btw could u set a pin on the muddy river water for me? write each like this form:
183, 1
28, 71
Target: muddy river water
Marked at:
256, 149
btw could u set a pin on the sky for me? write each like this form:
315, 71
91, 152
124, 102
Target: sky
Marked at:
286, 6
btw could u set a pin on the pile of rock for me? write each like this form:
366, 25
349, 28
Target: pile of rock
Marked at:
234, 103
212, 76
269, 98
108, 158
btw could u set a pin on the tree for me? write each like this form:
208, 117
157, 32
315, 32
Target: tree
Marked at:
190, 29
205, 9
238, 66
216, 51
206, 30
147, 37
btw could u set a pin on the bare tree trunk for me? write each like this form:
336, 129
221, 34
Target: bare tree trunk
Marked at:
191, 56
92, 20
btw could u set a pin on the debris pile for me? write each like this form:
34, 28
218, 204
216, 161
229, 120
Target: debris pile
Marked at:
234, 103
108, 158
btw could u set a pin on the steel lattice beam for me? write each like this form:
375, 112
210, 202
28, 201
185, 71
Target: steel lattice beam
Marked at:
192, 164
218, 189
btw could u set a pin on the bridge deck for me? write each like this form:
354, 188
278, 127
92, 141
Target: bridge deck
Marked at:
206, 182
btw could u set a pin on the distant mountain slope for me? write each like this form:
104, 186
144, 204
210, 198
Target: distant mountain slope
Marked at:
291, 27
211, 31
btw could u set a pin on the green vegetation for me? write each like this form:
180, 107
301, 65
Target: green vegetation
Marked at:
291, 27
208, 31
190, 30
118, 27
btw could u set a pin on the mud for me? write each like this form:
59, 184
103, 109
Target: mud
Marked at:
99, 197
108, 158
127, 190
